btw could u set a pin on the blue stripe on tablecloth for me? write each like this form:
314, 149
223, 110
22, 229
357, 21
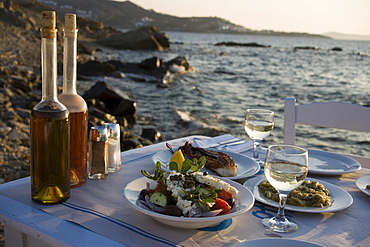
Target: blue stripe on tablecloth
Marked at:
121, 223
139, 158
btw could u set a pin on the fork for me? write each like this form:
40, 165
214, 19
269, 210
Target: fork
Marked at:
231, 142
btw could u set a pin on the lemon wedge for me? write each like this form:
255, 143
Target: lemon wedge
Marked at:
178, 157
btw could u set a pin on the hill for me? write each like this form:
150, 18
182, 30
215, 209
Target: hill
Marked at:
127, 15
343, 36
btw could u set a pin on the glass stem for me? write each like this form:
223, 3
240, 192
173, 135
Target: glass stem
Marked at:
281, 212
255, 149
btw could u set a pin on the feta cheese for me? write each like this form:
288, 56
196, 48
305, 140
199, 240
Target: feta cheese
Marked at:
215, 182
184, 205
176, 187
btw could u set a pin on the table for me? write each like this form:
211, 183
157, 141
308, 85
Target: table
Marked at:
96, 215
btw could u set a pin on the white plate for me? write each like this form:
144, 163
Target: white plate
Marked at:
321, 162
341, 199
132, 191
361, 184
245, 166
276, 242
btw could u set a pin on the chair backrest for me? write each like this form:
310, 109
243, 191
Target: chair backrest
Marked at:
340, 115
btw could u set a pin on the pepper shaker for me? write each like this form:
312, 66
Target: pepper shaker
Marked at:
114, 147
98, 148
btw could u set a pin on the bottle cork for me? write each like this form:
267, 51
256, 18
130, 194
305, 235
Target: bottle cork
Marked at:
48, 29
70, 24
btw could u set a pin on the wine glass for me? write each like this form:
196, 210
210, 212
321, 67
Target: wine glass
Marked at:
286, 168
258, 124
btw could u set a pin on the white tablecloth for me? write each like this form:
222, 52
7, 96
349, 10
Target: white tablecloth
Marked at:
98, 206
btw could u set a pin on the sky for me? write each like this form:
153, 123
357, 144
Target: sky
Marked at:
312, 16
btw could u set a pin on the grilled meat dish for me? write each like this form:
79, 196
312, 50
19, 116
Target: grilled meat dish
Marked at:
218, 162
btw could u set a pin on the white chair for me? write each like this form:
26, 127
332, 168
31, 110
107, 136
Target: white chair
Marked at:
340, 115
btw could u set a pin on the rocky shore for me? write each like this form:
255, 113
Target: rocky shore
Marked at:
20, 80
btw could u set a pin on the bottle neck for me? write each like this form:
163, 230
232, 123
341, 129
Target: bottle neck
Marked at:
49, 69
70, 62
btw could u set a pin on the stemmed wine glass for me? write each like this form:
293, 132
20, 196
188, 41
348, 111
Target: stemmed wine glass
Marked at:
286, 168
258, 124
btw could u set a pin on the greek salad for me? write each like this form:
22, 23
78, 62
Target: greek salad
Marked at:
188, 192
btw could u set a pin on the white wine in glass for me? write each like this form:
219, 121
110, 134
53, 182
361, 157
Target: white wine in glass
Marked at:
286, 168
258, 124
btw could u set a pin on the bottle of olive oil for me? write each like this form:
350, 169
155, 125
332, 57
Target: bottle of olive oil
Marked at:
75, 104
49, 125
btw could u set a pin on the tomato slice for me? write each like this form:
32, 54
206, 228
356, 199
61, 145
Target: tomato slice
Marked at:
224, 195
159, 185
221, 204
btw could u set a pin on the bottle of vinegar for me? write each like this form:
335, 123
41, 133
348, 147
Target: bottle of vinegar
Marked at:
75, 104
49, 127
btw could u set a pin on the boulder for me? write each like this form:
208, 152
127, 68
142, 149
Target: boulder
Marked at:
95, 68
151, 134
145, 38
101, 115
178, 62
118, 103
149, 70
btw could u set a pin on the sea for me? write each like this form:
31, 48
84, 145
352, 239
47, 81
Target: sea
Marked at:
226, 81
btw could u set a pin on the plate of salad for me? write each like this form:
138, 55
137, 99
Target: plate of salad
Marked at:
188, 200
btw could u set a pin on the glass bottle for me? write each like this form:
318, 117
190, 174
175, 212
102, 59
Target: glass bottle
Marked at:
98, 148
75, 104
49, 127
114, 147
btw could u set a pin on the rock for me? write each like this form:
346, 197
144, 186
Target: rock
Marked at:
21, 83
151, 63
4, 130
24, 113
149, 70
116, 74
10, 114
130, 143
123, 121
337, 49
13, 135
108, 118
85, 49
242, 44
95, 68
117, 102
89, 25
145, 38
179, 61
305, 48
5, 70
150, 134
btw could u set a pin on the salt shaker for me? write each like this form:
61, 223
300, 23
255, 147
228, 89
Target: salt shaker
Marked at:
98, 150
114, 147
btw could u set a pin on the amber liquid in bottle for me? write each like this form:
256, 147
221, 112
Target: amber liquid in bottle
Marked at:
78, 141
75, 104
49, 127
50, 156
78, 149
